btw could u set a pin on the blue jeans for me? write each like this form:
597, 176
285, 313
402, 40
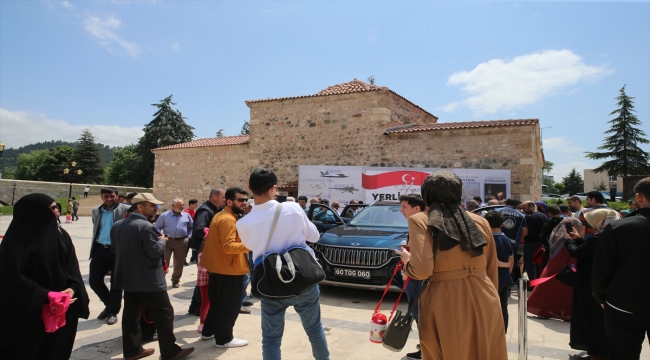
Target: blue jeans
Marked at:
247, 280
307, 305
412, 290
529, 250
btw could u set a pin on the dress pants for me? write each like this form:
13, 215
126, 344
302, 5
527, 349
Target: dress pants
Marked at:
504, 295
224, 292
179, 247
160, 311
531, 268
625, 333
104, 260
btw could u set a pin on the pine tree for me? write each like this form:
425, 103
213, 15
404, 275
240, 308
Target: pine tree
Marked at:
245, 129
627, 158
573, 182
167, 128
89, 160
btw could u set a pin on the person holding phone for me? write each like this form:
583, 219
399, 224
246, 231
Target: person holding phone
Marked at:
587, 316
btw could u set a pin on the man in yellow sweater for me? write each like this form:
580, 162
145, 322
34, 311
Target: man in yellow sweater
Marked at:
225, 258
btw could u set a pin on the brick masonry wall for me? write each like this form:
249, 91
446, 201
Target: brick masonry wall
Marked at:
502, 148
192, 173
347, 130
53, 189
328, 130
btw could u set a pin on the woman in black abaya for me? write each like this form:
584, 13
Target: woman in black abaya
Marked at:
36, 257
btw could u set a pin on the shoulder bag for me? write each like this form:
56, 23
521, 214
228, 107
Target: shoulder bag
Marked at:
286, 274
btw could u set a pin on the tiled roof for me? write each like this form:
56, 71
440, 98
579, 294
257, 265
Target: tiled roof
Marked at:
354, 86
289, 185
461, 125
209, 142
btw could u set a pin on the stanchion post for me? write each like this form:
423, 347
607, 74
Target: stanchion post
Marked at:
523, 318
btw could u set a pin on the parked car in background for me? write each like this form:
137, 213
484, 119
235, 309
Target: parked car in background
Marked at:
361, 252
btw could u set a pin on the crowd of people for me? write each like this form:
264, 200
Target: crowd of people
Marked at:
462, 266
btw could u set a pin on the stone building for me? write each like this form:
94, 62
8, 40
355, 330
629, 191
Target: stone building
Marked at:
350, 124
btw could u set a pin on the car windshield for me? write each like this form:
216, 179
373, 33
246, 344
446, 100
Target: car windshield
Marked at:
383, 215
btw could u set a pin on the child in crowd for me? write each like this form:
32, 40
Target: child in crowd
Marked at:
68, 217
505, 259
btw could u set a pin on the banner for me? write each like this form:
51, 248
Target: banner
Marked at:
370, 184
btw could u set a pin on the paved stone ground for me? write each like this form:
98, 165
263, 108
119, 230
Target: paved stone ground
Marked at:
345, 314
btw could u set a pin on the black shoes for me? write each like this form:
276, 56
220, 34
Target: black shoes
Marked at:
103, 315
414, 355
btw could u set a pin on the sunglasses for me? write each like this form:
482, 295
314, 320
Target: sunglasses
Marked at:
54, 207
241, 200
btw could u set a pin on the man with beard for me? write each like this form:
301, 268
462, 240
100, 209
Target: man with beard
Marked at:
226, 259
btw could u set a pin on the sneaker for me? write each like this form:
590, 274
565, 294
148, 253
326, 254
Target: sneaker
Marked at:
244, 310
176, 285
247, 303
112, 319
203, 337
233, 343
414, 355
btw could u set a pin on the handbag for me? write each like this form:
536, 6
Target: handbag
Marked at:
568, 275
397, 331
287, 274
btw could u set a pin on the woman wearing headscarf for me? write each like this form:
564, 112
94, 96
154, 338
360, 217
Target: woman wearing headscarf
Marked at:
587, 319
38, 258
551, 298
459, 311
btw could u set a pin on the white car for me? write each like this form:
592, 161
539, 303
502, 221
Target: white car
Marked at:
548, 197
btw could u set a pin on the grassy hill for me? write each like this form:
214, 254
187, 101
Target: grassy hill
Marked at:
9, 158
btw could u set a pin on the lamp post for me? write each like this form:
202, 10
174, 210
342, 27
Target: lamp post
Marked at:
13, 184
72, 172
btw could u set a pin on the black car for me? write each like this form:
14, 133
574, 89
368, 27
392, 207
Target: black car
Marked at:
362, 252
325, 218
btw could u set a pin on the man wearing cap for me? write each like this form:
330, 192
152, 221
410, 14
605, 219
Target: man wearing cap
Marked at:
138, 249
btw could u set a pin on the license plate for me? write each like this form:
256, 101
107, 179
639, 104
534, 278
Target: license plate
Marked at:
364, 274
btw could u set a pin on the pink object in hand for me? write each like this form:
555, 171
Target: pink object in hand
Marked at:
53, 314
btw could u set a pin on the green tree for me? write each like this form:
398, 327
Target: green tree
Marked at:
220, 133
245, 129
168, 127
88, 158
548, 167
550, 185
627, 158
573, 182
600, 186
121, 170
559, 187
45, 165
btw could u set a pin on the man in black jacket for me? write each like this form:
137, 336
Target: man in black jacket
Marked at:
554, 220
138, 248
202, 218
620, 278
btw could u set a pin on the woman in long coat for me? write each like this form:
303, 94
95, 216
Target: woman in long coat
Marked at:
587, 316
459, 311
38, 257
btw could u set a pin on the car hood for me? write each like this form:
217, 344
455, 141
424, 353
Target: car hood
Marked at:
377, 237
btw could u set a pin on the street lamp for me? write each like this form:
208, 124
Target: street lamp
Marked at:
14, 194
67, 171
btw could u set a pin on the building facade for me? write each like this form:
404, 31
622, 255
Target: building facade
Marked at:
350, 124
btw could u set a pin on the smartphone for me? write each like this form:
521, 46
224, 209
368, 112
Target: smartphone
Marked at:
568, 227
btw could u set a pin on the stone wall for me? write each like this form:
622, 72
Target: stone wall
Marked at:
53, 189
192, 173
501, 148
344, 129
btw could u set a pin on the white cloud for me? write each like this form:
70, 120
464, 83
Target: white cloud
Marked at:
66, 4
21, 128
104, 31
503, 85
562, 145
175, 46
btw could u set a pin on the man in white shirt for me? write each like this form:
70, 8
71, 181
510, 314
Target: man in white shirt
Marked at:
293, 229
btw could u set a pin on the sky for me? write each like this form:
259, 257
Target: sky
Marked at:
70, 65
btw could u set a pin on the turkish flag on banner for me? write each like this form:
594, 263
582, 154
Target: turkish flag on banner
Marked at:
371, 182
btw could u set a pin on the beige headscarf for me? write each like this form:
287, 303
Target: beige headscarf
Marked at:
599, 218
